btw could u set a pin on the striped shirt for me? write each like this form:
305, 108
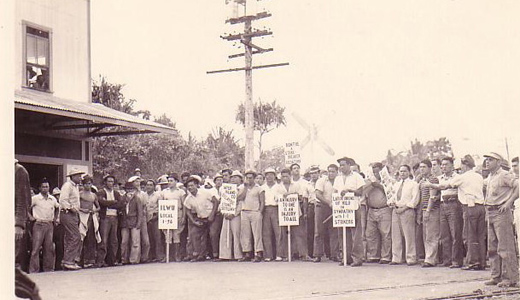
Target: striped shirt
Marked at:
425, 192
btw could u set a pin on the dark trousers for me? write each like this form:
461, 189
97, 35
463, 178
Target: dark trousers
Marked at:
321, 212
214, 234
107, 250
299, 239
21, 249
42, 236
451, 232
475, 225
157, 245
199, 238
72, 238
501, 246
419, 233
88, 246
310, 228
59, 231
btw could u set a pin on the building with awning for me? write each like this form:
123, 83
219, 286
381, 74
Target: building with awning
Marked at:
55, 119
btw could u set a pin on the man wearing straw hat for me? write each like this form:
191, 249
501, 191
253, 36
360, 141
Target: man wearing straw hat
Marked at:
270, 225
69, 218
229, 246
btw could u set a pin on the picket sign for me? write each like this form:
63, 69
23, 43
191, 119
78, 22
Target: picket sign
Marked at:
344, 215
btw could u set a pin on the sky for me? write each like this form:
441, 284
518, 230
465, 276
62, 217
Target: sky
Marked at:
372, 75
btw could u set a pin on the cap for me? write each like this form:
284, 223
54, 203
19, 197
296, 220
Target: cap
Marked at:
137, 170
74, 171
194, 178
226, 171
250, 172
237, 173
494, 155
56, 191
346, 159
218, 175
163, 179
108, 176
269, 170
314, 169
132, 179
468, 161
129, 185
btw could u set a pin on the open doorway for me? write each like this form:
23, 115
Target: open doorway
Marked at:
53, 173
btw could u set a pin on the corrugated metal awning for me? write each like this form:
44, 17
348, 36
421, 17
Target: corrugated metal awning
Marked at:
97, 115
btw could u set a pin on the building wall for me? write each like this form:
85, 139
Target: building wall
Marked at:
68, 21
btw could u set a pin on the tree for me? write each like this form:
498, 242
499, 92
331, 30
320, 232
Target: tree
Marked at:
418, 151
267, 117
274, 158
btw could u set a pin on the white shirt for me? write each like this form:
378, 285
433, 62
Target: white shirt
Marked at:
470, 187
110, 197
305, 188
409, 194
352, 181
444, 179
43, 208
271, 194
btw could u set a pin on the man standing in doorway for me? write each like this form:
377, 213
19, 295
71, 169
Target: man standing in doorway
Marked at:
69, 208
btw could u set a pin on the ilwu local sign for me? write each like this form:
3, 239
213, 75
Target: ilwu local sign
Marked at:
168, 212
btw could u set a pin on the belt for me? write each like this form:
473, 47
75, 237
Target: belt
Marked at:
492, 207
43, 221
378, 207
271, 206
67, 211
449, 198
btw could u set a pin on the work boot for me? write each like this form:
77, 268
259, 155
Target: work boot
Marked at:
177, 251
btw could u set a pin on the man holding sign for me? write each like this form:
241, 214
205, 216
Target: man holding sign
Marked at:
287, 214
230, 208
323, 211
351, 182
172, 192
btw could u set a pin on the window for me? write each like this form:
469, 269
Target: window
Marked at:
37, 59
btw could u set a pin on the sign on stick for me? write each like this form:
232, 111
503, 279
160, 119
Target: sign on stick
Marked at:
168, 212
288, 211
344, 210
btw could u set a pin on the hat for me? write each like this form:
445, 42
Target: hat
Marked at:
163, 179
314, 169
237, 173
468, 161
505, 165
348, 160
457, 164
269, 170
94, 188
137, 170
74, 171
494, 155
294, 164
226, 170
377, 165
174, 176
108, 176
218, 175
132, 179
56, 191
129, 185
209, 182
194, 178
250, 172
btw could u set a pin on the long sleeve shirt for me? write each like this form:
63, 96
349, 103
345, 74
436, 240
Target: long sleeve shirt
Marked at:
69, 197
409, 194
22, 195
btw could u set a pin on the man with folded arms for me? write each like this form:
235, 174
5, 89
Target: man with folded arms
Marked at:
501, 191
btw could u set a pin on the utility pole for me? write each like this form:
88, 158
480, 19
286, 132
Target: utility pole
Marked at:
246, 39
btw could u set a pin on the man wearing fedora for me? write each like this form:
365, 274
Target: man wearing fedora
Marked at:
110, 203
229, 246
501, 191
352, 182
69, 218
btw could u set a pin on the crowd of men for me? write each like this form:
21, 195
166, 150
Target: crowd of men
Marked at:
441, 212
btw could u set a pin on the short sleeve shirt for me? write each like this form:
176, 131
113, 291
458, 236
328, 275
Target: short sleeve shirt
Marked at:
352, 181
201, 203
470, 186
43, 208
499, 187
271, 194
326, 187
252, 200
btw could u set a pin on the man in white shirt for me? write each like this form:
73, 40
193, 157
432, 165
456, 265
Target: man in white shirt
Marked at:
352, 182
270, 227
300, 232
470, 192
43, 214
403, 217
